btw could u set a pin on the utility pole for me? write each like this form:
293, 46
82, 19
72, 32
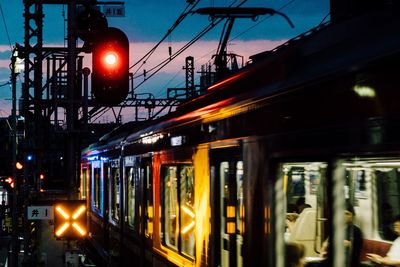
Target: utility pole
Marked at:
72, 110
14, 241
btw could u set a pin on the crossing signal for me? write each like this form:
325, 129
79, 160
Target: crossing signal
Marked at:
70, 219
110, 76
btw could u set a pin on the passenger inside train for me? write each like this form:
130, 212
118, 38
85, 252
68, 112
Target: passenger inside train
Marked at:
392, 258
353, 239
369, 189
295, 254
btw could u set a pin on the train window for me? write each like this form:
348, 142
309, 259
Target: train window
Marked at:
388, 189
114, 184
373, 185
178, 220
170, 203
240, 199
232, 205
96, 189
187, 210
85, 174
131, 186
305, 198
97, 186
146, 175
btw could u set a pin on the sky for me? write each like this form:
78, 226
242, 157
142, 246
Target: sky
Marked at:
146, 22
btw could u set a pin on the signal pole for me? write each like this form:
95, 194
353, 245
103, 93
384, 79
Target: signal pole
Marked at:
72, 111
14, 241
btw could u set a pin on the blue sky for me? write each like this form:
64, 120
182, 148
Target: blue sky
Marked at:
146, 22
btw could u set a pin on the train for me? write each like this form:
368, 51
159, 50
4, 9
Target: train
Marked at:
314, 122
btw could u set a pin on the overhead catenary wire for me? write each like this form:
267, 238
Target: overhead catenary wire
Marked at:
6, 28
246, 30
162, 64
180, 18
261, 21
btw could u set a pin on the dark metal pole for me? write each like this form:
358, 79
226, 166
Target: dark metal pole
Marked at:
71, 147
14, 241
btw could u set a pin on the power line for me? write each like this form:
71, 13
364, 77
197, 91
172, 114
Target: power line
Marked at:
261, 21
170, 30
4, 84
5, 26
159, 66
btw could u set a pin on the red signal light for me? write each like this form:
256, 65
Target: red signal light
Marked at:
110, 76
111, 59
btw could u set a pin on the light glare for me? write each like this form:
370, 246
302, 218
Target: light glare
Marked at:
62, 229
111, 58
78, 212
78, 228
62, 212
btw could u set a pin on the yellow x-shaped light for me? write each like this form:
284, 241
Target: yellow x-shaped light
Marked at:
70, 220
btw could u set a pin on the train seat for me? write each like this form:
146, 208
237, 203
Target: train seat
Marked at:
374, 246
304, 229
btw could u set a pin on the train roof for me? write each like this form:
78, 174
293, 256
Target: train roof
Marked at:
329, 49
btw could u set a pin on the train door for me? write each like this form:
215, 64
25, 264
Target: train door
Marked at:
227, 206
106, 178
301, 210
146, 178
85, 177
115, 212
372, 187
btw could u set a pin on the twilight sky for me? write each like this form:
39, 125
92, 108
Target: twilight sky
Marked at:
146, 22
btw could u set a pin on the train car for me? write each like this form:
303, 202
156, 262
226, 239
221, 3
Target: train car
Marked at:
270, 155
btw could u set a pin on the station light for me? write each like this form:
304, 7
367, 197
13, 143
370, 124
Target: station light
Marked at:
7, 182
70, 219
19, 165
110, 67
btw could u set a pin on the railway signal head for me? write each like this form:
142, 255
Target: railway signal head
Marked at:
110, 76
70, 219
